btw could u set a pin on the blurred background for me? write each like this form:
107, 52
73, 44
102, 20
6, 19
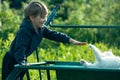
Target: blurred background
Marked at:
72, 12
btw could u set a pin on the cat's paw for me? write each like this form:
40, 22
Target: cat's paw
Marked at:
90, 45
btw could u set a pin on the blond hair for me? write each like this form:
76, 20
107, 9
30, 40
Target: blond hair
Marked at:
34, 9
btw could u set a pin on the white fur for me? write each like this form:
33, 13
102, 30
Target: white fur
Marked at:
103, 60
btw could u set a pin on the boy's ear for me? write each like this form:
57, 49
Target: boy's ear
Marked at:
31, 18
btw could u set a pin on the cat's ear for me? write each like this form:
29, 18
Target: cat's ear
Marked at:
110, 50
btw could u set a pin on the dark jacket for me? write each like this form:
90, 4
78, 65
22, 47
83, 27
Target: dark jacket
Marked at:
27, 40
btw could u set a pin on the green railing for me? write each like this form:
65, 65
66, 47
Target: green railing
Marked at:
68, 71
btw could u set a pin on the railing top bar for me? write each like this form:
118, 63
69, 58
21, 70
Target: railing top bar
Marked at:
83, 26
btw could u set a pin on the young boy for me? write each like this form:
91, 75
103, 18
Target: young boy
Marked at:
29, 36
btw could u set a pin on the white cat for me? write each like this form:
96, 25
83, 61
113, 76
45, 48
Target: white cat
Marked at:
103, 60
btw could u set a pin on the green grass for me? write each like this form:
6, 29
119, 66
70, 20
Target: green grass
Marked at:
61, 53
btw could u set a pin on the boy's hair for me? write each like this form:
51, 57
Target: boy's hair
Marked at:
34, 9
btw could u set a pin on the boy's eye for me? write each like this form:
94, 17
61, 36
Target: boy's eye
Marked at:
43, 16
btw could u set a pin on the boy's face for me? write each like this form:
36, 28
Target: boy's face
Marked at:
38, 21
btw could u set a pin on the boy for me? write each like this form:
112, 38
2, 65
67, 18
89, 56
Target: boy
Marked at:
29, 36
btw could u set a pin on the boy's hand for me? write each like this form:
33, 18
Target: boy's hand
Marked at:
23, 63
77, 42
80, 43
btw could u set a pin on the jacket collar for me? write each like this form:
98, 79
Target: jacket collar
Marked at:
26, 23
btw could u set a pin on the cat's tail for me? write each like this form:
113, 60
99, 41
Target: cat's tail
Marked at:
97, 52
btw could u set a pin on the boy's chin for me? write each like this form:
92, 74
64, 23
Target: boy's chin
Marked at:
41, 25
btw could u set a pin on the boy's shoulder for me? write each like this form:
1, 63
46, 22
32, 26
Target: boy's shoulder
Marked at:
25, 32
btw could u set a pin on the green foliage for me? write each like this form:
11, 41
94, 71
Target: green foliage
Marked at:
4, 47
83, 12
9, 21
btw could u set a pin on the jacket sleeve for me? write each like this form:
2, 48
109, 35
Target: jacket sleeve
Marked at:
56, 36
22, 41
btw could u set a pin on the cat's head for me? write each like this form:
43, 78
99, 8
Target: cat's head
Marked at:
91, 46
